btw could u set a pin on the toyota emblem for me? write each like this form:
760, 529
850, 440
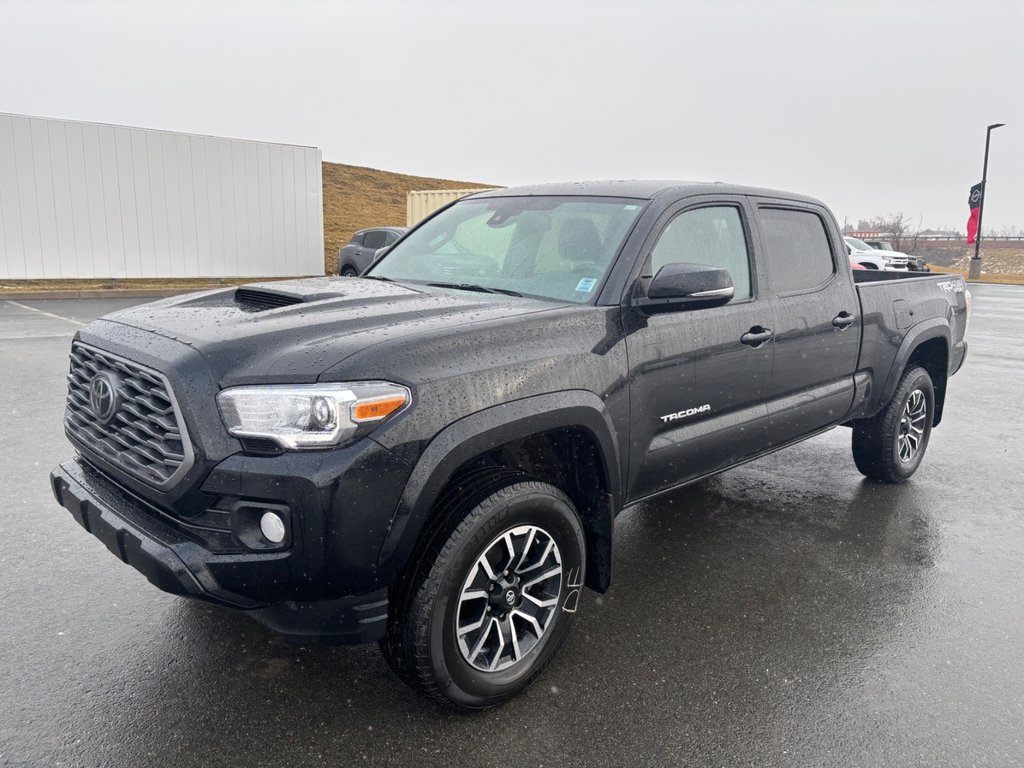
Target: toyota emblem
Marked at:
103, 397
510, 596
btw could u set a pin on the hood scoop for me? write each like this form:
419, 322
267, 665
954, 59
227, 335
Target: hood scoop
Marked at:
256, 298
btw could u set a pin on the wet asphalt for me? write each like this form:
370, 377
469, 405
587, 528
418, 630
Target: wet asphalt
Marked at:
786, 613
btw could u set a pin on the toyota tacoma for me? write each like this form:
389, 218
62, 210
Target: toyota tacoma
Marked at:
432, 455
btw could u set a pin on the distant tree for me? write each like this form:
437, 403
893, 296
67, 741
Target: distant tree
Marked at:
899, 228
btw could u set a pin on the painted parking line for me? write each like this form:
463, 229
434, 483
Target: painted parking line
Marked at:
44, 312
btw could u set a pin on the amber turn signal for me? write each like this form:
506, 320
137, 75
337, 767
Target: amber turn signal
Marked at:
374, 410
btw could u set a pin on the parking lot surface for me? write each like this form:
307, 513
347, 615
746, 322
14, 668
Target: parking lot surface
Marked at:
784, 613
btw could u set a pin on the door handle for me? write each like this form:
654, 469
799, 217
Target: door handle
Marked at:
843, 320
757, 336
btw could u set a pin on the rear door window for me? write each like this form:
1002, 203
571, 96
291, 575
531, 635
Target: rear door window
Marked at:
374, 239
798, 250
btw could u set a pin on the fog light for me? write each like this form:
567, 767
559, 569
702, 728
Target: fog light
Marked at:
272, 527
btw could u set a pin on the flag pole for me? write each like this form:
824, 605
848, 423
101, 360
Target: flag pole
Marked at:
975, 269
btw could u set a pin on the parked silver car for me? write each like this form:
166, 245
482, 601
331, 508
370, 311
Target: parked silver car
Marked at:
358, 254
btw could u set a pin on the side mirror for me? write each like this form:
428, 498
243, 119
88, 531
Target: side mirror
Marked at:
379, 254
680, 286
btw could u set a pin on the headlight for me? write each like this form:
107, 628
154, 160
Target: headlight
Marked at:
310, 415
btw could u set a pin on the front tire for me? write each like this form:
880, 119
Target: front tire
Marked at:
493, 594
890, 446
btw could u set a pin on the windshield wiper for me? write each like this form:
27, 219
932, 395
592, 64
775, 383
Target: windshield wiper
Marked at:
478, 288
377, 277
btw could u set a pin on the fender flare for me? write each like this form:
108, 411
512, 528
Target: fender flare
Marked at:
491, 428
936, 328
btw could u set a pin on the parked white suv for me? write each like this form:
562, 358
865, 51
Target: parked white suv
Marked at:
870, 258
914, 263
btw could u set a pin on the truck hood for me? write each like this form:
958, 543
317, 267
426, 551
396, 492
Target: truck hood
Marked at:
292, 331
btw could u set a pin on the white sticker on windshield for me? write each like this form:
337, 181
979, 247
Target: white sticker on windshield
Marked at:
586, 285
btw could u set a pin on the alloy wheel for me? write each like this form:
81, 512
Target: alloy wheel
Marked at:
509, 598
912, 424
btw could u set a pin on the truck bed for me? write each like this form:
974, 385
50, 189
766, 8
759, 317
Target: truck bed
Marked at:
898, 309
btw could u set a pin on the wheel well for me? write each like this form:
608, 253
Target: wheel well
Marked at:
568, 458
933, 356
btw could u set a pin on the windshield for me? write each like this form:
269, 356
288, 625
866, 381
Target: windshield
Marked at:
880, 246
552, 247
858, 245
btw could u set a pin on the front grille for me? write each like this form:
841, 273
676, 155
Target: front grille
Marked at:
142, 432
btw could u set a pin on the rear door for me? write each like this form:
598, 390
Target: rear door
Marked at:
372, 240
817, 322
697, 389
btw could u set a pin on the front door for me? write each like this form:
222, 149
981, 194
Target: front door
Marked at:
699, 378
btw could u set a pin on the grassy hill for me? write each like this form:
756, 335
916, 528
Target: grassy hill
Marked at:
356, 197
998, 256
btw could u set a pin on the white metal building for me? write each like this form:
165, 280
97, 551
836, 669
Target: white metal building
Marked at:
82, 200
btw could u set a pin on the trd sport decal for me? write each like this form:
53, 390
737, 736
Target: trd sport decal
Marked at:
685, 414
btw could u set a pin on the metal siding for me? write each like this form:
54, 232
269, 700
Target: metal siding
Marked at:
304, 239
214, 208
201, 202
46, 210
248, 222
62, 209
315, 203
21, 142
12, 246
126, 204
90, 200
95, 194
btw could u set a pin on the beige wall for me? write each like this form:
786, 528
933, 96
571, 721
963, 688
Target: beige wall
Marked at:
421, 204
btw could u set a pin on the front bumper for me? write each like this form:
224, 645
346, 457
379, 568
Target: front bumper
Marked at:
176, 563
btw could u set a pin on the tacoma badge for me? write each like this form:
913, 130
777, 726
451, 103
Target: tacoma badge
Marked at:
684, 414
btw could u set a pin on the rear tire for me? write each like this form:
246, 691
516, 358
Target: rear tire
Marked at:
348, 271
890, 446
473, 623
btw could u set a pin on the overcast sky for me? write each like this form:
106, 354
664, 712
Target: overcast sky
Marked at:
874, 107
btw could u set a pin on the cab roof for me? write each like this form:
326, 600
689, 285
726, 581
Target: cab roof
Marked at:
640, 189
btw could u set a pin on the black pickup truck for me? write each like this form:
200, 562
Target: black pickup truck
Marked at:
433, 455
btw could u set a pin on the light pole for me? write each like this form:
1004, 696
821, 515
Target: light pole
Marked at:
975, 269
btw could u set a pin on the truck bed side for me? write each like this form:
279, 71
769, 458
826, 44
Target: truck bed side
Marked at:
908, 317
